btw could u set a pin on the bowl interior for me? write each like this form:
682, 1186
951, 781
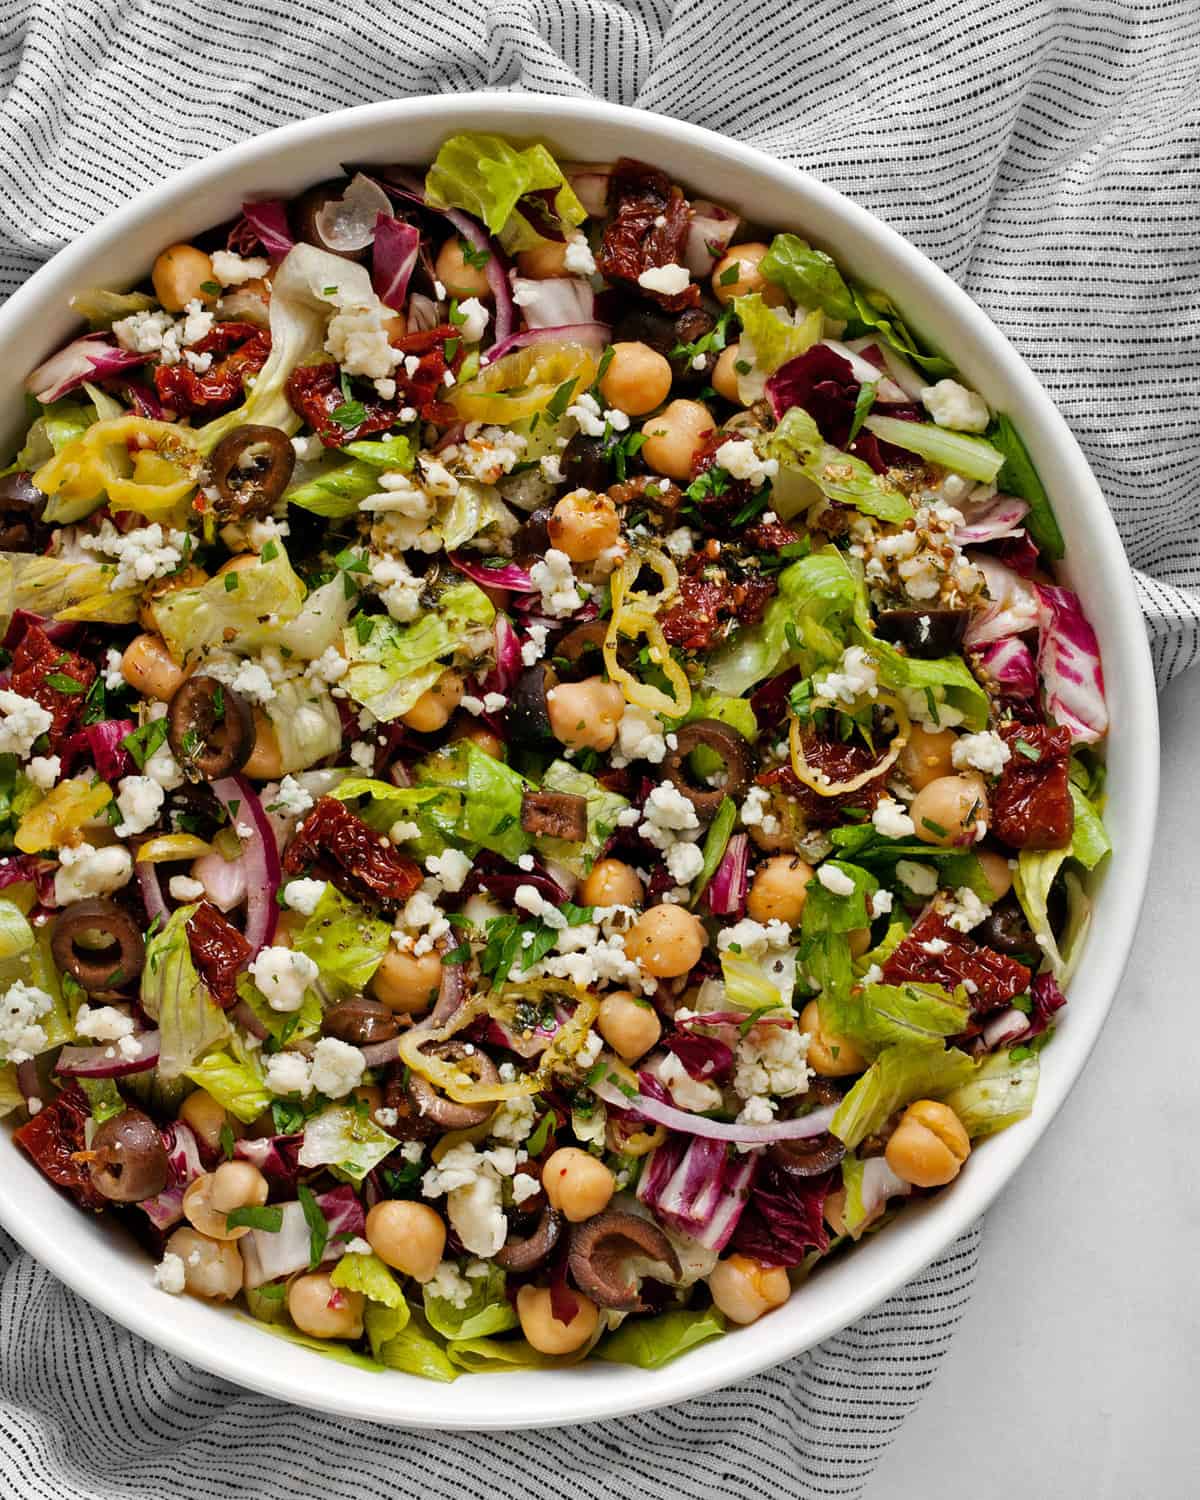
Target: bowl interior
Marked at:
102, 1263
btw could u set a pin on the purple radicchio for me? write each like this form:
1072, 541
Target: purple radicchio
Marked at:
1069, 665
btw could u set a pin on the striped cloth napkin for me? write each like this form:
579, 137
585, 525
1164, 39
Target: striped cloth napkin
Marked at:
1044, 154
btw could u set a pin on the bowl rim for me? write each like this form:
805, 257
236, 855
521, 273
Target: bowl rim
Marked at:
287, 1372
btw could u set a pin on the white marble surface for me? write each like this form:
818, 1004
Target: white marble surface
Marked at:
1076, 1370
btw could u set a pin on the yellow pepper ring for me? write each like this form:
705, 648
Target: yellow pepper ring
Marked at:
640, 620
142, 465
171, 846
822, 785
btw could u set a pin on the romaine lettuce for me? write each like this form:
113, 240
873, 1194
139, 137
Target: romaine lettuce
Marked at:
957, 451
875, 313
346, 1140
11, 1096
825, 926
368, 1274
234, 1082
306, 723
64, 590
241, 618
809, 276
336, 489
487, 176
345, 942
899, 1075
882, 1015
1036, 872
653, 1342
487, 1311
603, 809
402, 1341
489, 810
1019, 477
769, 338
797, 444
1000, 1093
189, 1023
475, 510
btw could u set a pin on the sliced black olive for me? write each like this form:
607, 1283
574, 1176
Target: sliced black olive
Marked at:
524, 1255
21, 506
306, 210
601, 1244
114, 964
251, 467
527, 718
531, 540
361, 1022
925, 632
808, 1157
210, 728
446, 1113
558, 815
691, 325
733, 748
585, 464
580, 644
1006, 930
646, 325
129, 1161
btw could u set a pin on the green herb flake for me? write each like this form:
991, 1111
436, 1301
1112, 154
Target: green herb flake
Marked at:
318, 1226
257, 1216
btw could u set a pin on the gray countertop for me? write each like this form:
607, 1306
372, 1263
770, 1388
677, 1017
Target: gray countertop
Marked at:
1076, 1371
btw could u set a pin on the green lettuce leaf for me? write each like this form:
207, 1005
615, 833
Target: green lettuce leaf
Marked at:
1036, 872
394, 453
103, 308
748, 987
898, 1076
487, 1311
11, 1096
797, 444
487, 176
1089, 841
948, 678
769, 338
345, 942
306, 723
234, 1081
716, 841
103, 1097
809, 276
826, 924
189, 1023
651, 1343
341, 1354
297, 1024
368, 1274
1001, 1093
959, 451
475, 510
16, 935
405, 1342
488, 811
1019, 477
392, 666
603, 809
241, 618
484, 1356
346, 1140
64, 590
336, 489
875, 313
883, 1015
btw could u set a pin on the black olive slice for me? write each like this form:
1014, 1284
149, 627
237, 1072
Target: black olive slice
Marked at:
733, 748
210, 729
250, 467
98, 970
928, 633
527, 718
522, 1255
601, 1245
585, 464
558, 815
531, 540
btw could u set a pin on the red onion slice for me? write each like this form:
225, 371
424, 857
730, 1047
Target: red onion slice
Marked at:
816, 1123
259, 855
108, 1061
152, 896
594, 334
727, 890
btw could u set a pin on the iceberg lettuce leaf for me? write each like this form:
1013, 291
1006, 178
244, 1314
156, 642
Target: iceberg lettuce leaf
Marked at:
797, 444
189, 1023
898, 1076
1019, 477
234, 1082
368, 1274
345, 942
488, 177
240, 618
346, 1140
957, 451
651, 1343
769, 338
401, 1341
1000, 1093
487, 1311
875, 313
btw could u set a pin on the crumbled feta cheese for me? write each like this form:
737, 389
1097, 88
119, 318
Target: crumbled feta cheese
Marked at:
668, 813
854, 678
103, 1023
680, 543
966, 910
170, 1275
142, 332
985, 752
283, 975
331, 666
385, 389
670, 279
586, 411
21, 1037
303, 895
757, 1110
530, 899
246, 677
533, 649
292, 800
836, 881
471, 1182
288, 1073
230, 269
922, 880
557, 584
308, 447
84, 871
686, 1092
890, 819
578, 258
451, 867
953, 405
184, 888
337, 1067
22, 722
524, 1187
751, 939
44, 771
474, 319
140, 799
881, 903
362, 754
114, 678
684, 863
449, 1285
640, 736
357, 336
737, 456
387, 1117
513, 1122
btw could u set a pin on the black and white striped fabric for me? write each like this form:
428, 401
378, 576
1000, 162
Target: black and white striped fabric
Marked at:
1044, 154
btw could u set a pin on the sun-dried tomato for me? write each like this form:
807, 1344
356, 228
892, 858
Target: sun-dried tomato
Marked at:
991, 978
648, 228
771, 536
56, 678
839, 762
751, 594
695, 620
1031, 806
335, 841
720, 500
245, 349
218, 950
52, 1136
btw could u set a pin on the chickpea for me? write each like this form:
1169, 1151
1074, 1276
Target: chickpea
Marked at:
584, 525
779, 889
410, 1237
240, 562
859, 940
200, 1211
205, 1118
577, 1184
584, 715
457, 275
325, 1311
637, 380
211, 1268
543, 1330
179, 274
237, 1184
611, 882
749, 278
926, 756
743, 1288
433, 708
407, 983
725, 376
666, 941
148, 667
544, 261
996, 872
950, 810
929, 1145
675, 436
629, 1024
830, 1055
191, 577
265, 762
480, 735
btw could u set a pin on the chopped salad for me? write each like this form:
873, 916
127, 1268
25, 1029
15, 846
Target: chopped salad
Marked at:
546, 781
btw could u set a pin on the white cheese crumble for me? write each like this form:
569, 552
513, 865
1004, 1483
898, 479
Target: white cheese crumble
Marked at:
737, 456
686, 1092
283, 976
953, 405
922, 880
21, 1037
230, 269
533, 649
640, 736
557, 584
771, 1060
667, 815
890, 819
474, 319
578, 258
855, 677
966, 910
684, 863
84, 871
184, 888
22, 720
303, 895
103, 1023
44, 771
451, 867
836, 881
292, 800
140, 799
170, 1275
985, 752
670, 279
337, 1067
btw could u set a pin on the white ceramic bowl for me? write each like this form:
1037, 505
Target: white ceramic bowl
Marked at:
102, 1265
